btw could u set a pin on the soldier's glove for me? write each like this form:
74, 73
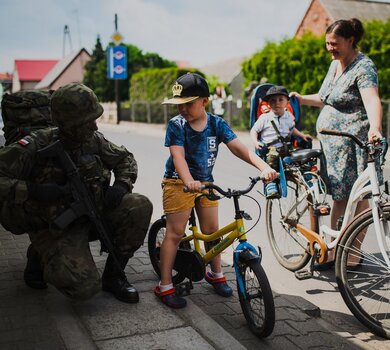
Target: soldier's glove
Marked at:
114, 194
47, 193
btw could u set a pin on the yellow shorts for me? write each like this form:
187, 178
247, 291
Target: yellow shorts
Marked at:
175, 200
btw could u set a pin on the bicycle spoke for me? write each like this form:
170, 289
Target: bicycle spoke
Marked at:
257, 300
365, 286
288, 244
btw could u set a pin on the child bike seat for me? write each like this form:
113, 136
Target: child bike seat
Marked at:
303, 155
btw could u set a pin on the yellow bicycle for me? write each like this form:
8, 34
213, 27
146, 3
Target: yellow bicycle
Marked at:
253, 288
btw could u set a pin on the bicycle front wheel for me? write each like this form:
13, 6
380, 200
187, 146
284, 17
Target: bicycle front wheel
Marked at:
256, 298
289, 246
362, 274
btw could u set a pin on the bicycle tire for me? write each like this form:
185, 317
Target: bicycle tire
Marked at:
289, 246
365, 287
155, 237
257, 302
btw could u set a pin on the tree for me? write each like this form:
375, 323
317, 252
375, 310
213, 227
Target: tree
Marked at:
298, 64
96, 70
301, 64
93, 66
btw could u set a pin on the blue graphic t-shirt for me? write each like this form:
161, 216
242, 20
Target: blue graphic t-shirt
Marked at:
201, 147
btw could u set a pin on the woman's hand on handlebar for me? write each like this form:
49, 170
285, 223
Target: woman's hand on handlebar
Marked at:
269, 174
193, 186
374, 135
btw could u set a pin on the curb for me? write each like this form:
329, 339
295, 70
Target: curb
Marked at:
208, 328
69, 325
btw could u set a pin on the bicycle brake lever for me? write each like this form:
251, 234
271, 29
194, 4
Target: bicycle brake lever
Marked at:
385, 145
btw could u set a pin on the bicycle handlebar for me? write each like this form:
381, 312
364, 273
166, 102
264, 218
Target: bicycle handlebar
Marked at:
369, 146
341, 133
232, 193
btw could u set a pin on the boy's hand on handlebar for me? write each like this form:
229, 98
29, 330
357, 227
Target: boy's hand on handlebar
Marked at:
193, 186
269, 174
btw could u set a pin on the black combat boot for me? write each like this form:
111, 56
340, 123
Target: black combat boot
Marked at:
117, 284
33, 274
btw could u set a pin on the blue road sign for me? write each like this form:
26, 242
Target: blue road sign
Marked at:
117, 62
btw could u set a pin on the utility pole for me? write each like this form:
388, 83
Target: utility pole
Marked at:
66, 35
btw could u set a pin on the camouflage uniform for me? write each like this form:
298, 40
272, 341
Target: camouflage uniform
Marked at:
66, 257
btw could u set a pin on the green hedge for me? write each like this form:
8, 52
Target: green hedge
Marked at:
155, 84
301, 64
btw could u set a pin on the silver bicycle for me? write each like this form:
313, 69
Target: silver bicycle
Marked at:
361, 243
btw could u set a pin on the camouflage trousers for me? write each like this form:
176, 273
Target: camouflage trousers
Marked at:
66, 258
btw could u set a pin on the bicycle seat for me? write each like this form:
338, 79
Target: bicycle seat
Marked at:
303, 155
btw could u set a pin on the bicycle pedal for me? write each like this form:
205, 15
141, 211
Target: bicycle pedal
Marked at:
303, 274
184, 288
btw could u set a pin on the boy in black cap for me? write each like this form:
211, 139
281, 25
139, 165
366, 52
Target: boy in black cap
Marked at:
270, 126
193, 138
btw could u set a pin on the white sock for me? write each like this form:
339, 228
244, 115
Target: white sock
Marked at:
216, 274
165, 287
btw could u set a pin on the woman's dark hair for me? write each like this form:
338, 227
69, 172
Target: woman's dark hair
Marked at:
347, 29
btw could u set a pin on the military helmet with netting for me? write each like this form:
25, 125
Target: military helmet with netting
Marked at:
74, 104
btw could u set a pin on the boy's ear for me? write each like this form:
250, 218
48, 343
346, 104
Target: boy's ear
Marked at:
205, 101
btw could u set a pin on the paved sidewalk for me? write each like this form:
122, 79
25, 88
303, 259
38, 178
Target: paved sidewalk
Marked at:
36, 319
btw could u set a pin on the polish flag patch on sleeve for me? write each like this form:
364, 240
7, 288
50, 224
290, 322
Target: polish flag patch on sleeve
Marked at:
23, 142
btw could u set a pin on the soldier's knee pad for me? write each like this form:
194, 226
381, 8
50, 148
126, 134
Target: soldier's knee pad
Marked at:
135, 208
143, 205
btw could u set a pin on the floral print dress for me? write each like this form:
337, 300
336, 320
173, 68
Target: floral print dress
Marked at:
344, 111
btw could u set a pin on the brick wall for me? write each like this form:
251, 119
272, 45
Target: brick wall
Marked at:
315, 20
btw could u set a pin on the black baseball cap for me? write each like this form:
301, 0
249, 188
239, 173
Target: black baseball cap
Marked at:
188, 87
276, 90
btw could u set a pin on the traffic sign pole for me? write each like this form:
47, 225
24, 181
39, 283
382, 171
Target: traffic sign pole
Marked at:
117, 65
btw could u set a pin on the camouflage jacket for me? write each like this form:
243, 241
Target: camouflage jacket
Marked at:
96, 160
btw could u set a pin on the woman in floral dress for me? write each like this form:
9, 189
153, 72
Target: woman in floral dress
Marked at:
350, 102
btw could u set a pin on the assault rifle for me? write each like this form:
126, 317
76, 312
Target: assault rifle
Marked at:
83, 204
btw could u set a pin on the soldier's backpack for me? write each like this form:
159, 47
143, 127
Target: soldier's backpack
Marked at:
24, 112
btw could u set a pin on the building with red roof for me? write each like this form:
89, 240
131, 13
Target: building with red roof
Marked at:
28, 73
49, 74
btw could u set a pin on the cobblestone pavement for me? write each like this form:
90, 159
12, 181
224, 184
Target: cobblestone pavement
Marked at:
36, 319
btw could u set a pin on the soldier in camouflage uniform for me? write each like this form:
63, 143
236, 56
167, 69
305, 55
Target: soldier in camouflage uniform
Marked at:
34, 191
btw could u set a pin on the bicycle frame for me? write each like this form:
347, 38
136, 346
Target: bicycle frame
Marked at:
234, 230
367, 183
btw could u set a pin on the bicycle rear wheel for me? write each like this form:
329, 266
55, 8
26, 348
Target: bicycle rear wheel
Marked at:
256, 299
155, 238
362, 274
289, 246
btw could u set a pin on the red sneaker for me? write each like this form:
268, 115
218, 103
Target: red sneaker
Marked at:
170, 298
